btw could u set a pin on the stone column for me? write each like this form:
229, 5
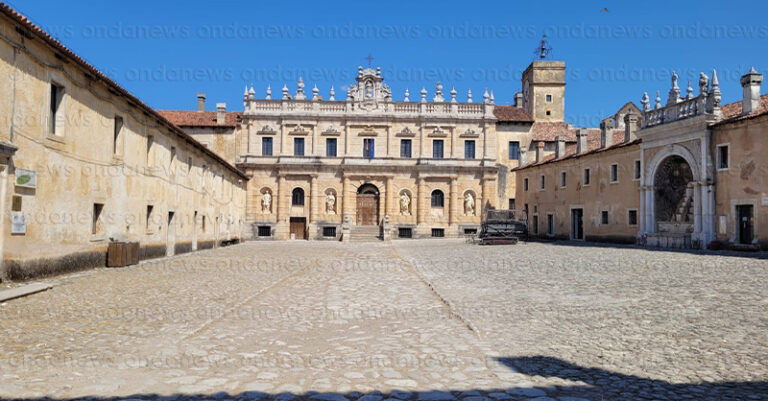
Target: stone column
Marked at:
420, 203
483, 195
279, 198
641, 213
313, 199
697, 188
388, 205
346, 199
650, 200
455, 207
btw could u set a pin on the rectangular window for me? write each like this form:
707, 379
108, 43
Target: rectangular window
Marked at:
514, 150
722, 157
550, 224
330, 147
57, 94
604, 217
543, 182
405, 148
511, 204
535, 224
469, 149
150, 153
96, 223
563, 179
266, 146
632, 217
116, 135
148, 225
438, 232
404, 232
470, 231
586, 176
368, 148
525, 184
298, 146
614, 172
638, 171
265, 231
437, 149
329, 231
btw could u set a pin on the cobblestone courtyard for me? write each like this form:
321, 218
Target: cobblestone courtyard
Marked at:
426, 320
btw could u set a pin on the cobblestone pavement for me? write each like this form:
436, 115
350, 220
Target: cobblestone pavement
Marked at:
422, 320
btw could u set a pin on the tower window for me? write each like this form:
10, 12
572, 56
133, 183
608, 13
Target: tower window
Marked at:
549, 98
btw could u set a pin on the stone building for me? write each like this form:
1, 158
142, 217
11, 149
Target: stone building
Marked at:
84, 162
426, 166
693, 167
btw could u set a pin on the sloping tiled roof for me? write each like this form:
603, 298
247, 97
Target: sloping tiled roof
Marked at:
34, 30
192, 118
511, 114
593, 146
732, 111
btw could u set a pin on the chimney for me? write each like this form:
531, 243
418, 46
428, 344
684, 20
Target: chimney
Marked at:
606, 134
201, 102
519, 99
581, 141
750, 101
539, 152
560, 150
630, 127
221, 113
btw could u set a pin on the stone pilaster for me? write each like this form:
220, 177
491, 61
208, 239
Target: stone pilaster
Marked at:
455, 208
420, 201
314, 199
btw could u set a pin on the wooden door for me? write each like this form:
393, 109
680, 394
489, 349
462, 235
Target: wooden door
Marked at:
577, 224
298, 227
367, 209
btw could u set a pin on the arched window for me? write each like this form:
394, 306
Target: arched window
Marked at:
438, 200
297, 197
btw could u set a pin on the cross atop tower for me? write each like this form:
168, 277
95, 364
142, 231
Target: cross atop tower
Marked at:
544, 49
370, 59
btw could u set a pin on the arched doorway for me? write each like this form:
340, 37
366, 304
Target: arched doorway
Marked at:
673, 198
367, 205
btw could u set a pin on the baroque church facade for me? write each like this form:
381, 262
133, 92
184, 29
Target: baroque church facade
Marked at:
366, 165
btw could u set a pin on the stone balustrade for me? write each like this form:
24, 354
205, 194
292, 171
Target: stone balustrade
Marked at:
266, 107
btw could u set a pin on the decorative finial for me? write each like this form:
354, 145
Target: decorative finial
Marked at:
333, 94
658, 100
286, 95
406, 96
246, 91
689, 91
316, 93
423, 95
453, 95
492, 99
251, 92
715, 91
646, 102
486, 96
469, 95
438, 93
370, 59
300, 90
269, 93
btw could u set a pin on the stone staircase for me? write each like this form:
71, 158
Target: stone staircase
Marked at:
364, 234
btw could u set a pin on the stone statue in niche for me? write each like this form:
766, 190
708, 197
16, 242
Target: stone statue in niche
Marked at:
469, 204
266, 202
405, 203
330, 203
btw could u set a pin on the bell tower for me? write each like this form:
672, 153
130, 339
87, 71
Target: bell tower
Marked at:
544, 90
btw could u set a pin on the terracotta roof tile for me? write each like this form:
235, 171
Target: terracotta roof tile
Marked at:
593, 146
511, 114
192, 118
732, 111
33, 29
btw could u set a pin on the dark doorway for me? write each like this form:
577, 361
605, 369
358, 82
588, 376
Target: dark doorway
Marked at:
673, 196
577, 224
299, 227
745, 223
367, 205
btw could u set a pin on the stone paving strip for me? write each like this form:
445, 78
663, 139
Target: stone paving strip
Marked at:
406, 320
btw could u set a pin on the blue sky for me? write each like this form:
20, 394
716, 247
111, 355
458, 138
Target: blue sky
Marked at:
165, 52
